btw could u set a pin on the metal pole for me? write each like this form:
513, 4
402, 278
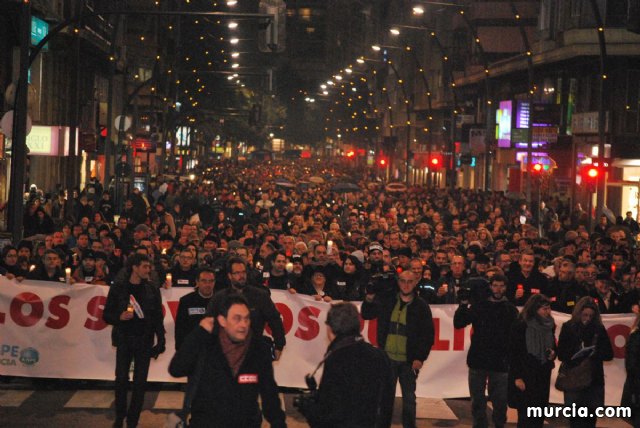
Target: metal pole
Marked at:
19, 140
601, 112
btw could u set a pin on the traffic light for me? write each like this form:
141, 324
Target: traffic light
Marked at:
351, 154
435, 162
382, 162
591, 178
537, 168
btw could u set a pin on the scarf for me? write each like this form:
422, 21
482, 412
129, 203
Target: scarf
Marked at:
234, 352
539, 337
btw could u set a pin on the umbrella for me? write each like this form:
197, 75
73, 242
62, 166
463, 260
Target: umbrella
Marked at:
345, 188
283, 182
316, 180
396, 187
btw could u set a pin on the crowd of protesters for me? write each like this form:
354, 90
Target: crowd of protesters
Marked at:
297, 229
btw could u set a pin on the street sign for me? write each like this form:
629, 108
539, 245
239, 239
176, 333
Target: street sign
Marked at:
6, 124
126, 124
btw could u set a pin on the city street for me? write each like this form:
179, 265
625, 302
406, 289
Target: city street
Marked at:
90, 404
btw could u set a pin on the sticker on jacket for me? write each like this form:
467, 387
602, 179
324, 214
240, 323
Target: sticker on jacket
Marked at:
248, 378
197, 311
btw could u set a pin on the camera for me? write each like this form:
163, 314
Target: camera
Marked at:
381, 282
302, 401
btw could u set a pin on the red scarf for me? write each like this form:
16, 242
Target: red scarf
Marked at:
234, 352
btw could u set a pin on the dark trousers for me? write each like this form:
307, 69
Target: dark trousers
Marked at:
138, 350
591, 397
497, 383
405, 374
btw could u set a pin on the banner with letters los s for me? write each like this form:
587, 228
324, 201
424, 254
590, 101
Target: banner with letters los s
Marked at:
55, 330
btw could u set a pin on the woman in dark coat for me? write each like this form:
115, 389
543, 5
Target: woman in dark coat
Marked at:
349, 284
631, 391
585, 329
532, 350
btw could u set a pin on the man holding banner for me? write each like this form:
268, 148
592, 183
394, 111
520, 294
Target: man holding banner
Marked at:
405, 332
134, 308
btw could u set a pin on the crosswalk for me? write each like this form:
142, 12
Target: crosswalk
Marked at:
430, 411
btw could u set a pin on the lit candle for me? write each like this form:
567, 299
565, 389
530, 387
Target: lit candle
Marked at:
67, 272
168, 282
329, 247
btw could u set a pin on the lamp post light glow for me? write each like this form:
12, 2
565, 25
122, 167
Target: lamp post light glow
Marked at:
235, 54
235, 65
234, 41
418, 10
376, 47
394, 31
233, 25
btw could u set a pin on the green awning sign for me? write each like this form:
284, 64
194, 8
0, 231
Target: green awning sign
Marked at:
39, 30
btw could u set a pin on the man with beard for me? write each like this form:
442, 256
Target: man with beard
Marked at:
262, 308
487, 358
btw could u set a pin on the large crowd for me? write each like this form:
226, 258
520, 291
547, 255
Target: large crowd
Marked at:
333, 232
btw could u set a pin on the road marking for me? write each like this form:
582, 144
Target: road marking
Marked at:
90, 399
13, 398
169, 400
434, 408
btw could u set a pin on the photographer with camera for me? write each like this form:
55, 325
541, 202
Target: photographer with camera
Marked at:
356, 389
405, 332
491, 320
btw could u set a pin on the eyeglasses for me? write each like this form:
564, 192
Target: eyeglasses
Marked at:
241, 272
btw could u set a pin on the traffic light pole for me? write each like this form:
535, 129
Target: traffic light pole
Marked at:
19, 132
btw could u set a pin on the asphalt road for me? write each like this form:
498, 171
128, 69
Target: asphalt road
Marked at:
70, 404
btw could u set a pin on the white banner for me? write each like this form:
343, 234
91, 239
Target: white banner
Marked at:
55, 330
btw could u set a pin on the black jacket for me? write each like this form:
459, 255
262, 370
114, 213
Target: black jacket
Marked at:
356, 390
522, 365
491, 323
223, 400
191, 310
146, 328
573, 335
420, 332
535, 283
632, 363
262, 311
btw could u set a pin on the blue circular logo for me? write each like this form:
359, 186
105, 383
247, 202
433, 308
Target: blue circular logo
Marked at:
29, 356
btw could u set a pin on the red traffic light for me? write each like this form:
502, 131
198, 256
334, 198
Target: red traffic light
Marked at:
435, 162
382, 162
537, 167
351, 154
592, 172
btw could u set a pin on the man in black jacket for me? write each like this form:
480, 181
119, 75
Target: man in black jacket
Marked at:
235, 366
134, 309
405, 332
487, 358
357, 389
193, 306
260, 304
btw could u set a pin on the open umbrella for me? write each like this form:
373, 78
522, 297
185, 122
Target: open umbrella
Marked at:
345, 188
283, 182
316, 180
396, 187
